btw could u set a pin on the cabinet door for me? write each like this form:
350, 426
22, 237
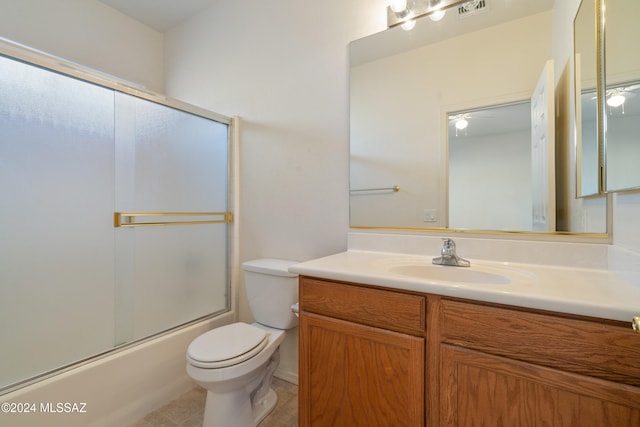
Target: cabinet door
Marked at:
477, 389
355, 375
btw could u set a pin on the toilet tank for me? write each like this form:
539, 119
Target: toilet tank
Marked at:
271, 291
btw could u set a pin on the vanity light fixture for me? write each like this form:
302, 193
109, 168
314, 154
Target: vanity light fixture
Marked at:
398, 6
439, 12
408, 25
405, 12
437, 15
402, 13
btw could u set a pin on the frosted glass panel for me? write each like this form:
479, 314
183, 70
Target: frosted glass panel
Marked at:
180, 275
172, 161
181, 160
56, 228
71, 154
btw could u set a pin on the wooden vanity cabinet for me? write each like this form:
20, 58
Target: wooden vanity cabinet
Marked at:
372, 356
362, 354
500, 366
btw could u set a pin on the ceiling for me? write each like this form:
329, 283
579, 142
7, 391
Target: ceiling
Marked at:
160, 15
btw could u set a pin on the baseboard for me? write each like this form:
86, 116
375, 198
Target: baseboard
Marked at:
291, 377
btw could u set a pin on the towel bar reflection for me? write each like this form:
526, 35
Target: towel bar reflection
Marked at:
394, 189
128, 219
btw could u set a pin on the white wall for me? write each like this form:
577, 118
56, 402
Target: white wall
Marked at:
89, 33
282, 66
624, 254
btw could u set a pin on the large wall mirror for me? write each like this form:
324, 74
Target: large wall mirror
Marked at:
588, 153
622, 94
615, 159
413, 166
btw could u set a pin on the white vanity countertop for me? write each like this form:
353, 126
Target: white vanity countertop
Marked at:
588, 292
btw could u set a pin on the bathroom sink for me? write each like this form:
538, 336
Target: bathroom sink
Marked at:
478, 273
449, 274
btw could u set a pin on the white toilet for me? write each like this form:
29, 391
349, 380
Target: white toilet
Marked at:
235, 363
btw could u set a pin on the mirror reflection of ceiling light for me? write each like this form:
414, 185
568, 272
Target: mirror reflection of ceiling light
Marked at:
461, 124
616, 100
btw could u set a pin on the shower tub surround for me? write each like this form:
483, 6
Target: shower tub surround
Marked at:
118, 389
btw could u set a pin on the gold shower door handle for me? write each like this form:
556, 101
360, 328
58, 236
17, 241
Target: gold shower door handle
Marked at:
129, 219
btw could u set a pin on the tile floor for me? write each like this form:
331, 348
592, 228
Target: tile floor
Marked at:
188, 409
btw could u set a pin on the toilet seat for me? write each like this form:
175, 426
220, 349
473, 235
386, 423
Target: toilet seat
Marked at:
227, 345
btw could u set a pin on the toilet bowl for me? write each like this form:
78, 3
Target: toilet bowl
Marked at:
235, 363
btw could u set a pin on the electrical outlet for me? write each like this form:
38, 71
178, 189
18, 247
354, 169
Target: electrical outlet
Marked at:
429, 215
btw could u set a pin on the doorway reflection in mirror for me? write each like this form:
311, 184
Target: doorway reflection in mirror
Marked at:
490, 168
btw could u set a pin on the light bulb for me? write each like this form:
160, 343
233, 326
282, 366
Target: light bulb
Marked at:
437, 15
461, 124
408, 25
398, 5
616, 100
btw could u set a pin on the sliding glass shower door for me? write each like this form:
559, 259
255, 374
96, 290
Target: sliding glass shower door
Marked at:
169, 161
56, 240
74, 157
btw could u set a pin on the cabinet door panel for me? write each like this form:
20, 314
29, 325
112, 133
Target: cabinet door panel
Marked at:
356, 375
483, 390
597, 349
375, 307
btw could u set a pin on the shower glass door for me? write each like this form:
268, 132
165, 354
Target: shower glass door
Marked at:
56, 236
72, 153
169, 161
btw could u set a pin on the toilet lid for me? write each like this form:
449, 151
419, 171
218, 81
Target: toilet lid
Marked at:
227, 345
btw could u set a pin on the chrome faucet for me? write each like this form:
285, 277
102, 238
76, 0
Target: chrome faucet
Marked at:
448, 255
